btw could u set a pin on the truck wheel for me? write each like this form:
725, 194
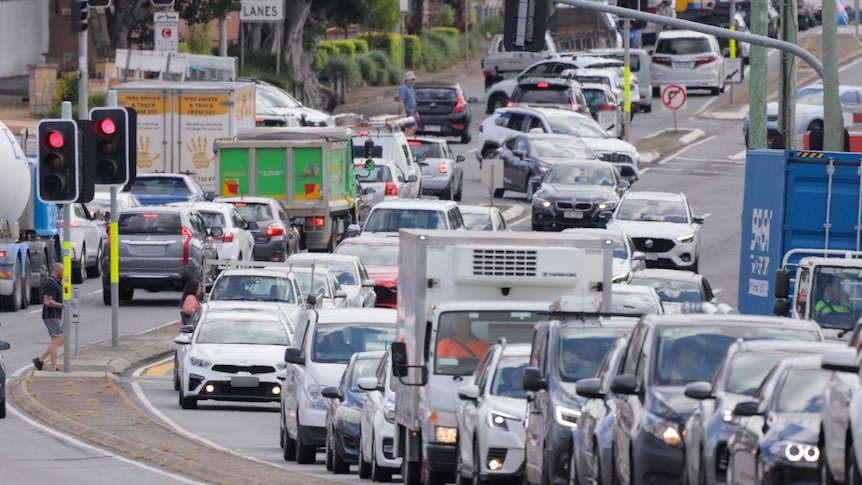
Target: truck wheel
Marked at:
127, 293
497, 100
11, 303
339, 466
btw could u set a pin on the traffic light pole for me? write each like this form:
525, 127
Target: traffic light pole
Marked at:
114, 252
66, 110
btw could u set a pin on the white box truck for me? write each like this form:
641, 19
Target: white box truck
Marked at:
178, 123
494, 284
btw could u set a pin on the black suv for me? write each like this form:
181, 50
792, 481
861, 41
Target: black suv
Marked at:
558, 92
564, 352
160, 248
443, 110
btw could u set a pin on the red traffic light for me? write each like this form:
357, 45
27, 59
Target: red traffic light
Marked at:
55, 140
106, 127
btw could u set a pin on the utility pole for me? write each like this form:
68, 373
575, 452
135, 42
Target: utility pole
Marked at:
757, 76
833, 123
787, 79
627, 123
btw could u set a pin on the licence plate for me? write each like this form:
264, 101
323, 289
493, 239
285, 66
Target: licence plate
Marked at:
151, 250
573, 215
651, 256
432, 127
607, 119
683, 65
244, 381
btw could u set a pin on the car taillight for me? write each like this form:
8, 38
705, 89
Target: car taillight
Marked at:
444, 167
488, 72
274, 230
480, 128
608, 107
542, 85
510, 104
2, 254
258, 120
187, 238
73, 224
226, 237
664, 61
391, 188
705, 60
319, 221
460, 104
574, 106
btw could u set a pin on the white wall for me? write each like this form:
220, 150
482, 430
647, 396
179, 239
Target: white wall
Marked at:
23, 35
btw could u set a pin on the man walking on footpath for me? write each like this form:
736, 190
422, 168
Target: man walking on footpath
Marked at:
407, 101
52, 316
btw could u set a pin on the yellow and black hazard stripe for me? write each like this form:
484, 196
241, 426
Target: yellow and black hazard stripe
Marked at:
809, 154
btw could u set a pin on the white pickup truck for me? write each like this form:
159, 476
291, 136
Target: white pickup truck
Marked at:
500, 64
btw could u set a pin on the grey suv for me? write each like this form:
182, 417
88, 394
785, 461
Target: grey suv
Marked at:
556, 92
160, 248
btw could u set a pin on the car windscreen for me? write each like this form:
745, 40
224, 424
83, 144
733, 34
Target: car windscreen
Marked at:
253, 288
634, 209
553, 148
313, 283
379, 174
582, 350
572, 174
253, 212
509, 376
345, 271
391, 220
634, 304
422, 151
595, 80
686, 354
676, 291
683, 46
464, 336
596, 96
634, 61
362, 368
802, 391
213, 219
372, 254
577, 126
336, 343
748, 370
477, 222
276, 98
150, 223
256, 331
552, 94
163, 185
430, 94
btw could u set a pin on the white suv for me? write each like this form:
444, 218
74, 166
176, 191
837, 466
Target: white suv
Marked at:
389, 217
690, 58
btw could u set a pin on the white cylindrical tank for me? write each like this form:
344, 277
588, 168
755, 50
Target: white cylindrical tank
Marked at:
15, 183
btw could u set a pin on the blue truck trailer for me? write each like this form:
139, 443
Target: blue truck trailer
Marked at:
801, 232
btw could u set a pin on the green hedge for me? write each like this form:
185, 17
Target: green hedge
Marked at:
344, 47
452, 32
387, 42
440, 50
412, 51
378, 69
361, 45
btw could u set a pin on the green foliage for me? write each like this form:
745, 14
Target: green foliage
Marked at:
389, 43
383, 15
338, 67
198, 39
321, 55
452, 32
445, 16
344, 47
67, 89
412, 51
439, 50
261, 65
197, 12
94, 100
491, 25
361, 45
378, 69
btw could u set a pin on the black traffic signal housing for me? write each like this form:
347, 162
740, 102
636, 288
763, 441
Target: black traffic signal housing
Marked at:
640, 5
100, 3
80, 10
107, 145
524, 25
58, 161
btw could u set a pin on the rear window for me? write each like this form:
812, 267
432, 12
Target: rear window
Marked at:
683, 46
254, 212
436, 95
379, 173
423, 151
548, 95
595, 96
391, 220
359, 150
161, 185
595, 79
634, 61
213, 219
150, 223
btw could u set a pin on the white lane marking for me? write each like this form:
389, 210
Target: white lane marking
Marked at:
738, 156
686, 148
471, 150
35, 311
95, 292
158, 327
97, 451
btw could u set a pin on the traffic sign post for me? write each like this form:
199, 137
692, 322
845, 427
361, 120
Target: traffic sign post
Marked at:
166, 31
268, 11
673, 97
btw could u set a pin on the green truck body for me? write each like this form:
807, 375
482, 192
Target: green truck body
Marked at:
309, 169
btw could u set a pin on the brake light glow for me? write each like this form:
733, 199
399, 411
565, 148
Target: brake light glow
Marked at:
240, 204
444, 167
705, 60
460, 104
414, 143
258, 120
226, 237
541, 85
488, 72
2, 254
510, 104
362, 133
458, 126
574, 106
274, 230
187, 238
391, 188
150, 216
664, 61
74, 223
480, 127
319, 221
608, 107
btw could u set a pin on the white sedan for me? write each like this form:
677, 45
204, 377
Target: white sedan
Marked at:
377, 457
350, 272
236, 242
233, 355
87, 237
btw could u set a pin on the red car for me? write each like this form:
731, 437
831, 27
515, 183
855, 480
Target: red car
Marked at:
380, 255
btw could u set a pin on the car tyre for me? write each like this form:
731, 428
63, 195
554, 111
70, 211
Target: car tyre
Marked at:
176, 374
339, 466
435, 478
460, 193
411, 471
377, 472
647, 108
499, 193
826, 476
289, 452
327, 461
448, 192
477, 466
96, 270
79, 274
851, 468
304, 453
497, 100
466, 137
187, 402
364, 466
26, 290
127, 293
106, 295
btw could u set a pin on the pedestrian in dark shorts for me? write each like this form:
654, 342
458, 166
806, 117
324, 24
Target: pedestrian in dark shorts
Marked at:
52, 316
407, 102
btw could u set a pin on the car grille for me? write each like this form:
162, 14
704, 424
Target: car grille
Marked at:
236, 369
568, 205
721, 459
658, 245
224, 389
616, 157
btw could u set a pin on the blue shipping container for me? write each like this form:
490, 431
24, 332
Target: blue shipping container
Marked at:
786, 206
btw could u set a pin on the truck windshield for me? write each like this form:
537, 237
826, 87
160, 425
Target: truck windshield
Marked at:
837, 296
464, 336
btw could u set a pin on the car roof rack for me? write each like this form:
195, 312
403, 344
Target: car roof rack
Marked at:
380, 122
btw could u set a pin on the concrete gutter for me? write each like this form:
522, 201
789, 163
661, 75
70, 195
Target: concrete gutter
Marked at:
654, 155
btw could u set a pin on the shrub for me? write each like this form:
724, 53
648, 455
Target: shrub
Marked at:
66, 90
360, 45
491, 25
261, 65
440, 50
450, 31
339, 67
324, 51
412, 51
344, 47
445, 15
94, 100
377, 68
389, 43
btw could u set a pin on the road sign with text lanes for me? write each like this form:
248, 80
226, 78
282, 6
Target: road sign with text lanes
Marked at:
673, 97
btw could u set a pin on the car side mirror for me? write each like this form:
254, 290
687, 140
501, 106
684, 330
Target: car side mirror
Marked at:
624, 385
469, 393
298, 221
5, 345
340, 294
368, 384
624, 185
746, 408
330, 392
398, 351
187, 329
472, 99
698, 220
840, 360
368, 283
460, 158
699, 390
353, 230
589, 388
533, 380
638, 256
183, 339
519, 153
216, 232
725, 52
293, 355
782, 283
311, 301
281, 374
412, 178
251, 226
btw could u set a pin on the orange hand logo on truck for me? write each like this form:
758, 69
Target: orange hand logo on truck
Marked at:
198, 149
145, 159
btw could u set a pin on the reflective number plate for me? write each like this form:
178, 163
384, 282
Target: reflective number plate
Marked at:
244, 381
651, 256
573, 215
683, 65
432, 127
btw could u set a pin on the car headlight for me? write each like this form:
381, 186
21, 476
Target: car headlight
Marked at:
314, 395
445, 434
543, 203
389, 412
281, 365
500, 420
795, 452
663, 429
687, 239
198, 362
567, 416
606, 205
